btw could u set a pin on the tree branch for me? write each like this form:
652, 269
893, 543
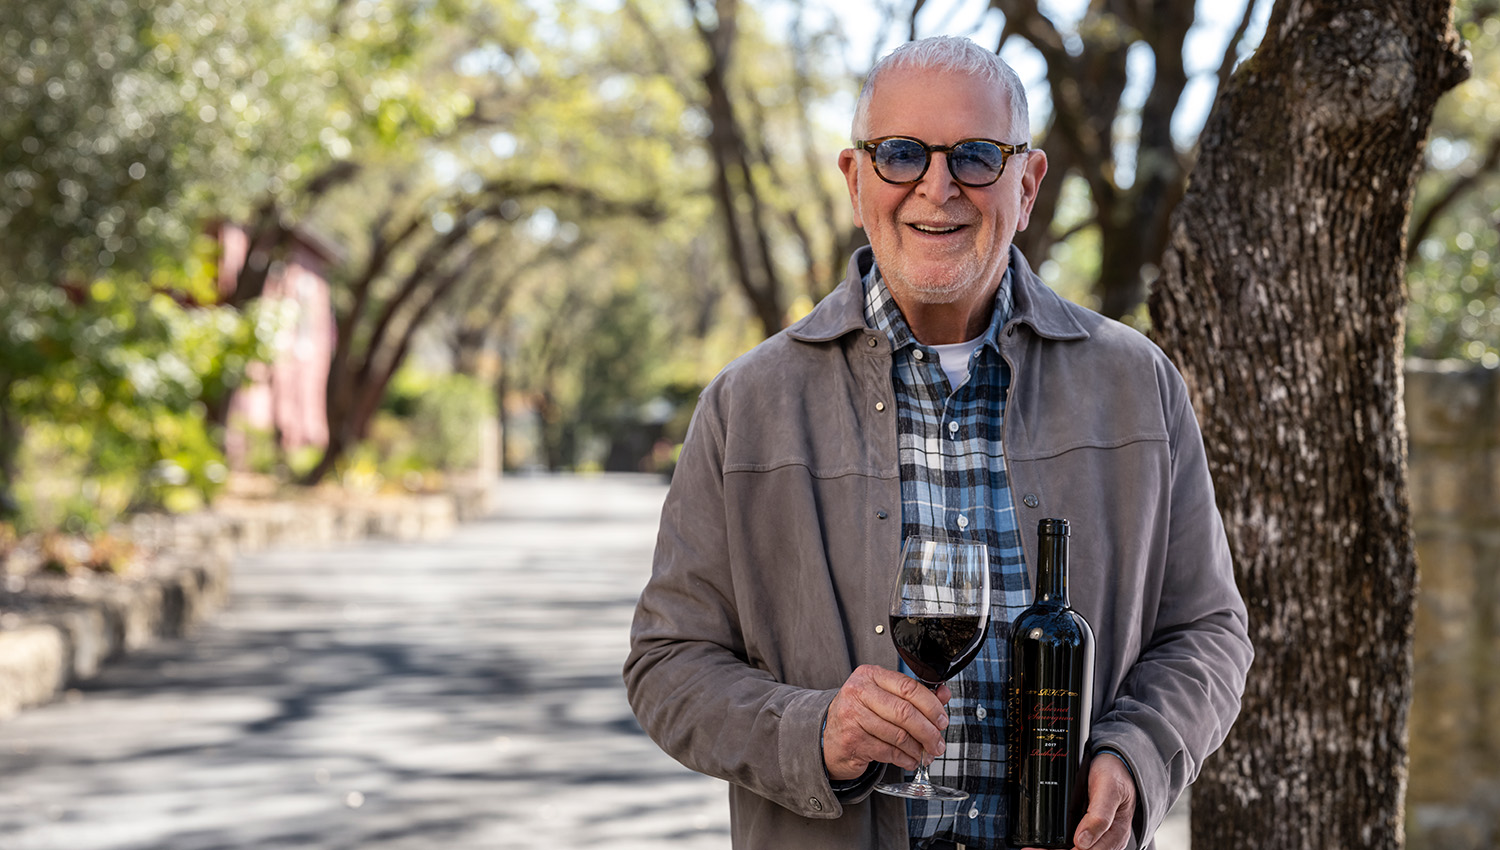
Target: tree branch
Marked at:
1232, 49
660, 50
916, 9
822, 277
427, 265
1025, 18
373, 387
268, 230
1451, 194
384, 245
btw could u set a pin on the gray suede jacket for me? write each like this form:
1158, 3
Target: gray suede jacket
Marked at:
780, 535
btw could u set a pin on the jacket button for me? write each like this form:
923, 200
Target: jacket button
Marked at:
1031, 500
880, 406
817, 805
873, 343
881, 514
880, 630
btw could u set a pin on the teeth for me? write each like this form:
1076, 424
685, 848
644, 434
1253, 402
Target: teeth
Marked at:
927, 228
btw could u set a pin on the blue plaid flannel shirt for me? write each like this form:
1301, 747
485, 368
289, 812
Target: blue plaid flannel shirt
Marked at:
953, 482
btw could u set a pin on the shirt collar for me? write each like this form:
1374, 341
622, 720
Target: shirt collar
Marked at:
882, 313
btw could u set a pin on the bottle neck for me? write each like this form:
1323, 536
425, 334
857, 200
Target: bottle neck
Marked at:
1052, 570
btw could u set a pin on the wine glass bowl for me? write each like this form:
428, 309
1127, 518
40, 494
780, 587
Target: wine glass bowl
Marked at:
939, 614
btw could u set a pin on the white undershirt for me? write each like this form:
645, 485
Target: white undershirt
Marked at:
955, 360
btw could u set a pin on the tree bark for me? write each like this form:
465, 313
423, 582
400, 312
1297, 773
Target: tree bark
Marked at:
1282, 301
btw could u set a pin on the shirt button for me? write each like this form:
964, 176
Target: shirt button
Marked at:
963, 521
980, 712
973, 813
953, 427
1031, 500
919, 354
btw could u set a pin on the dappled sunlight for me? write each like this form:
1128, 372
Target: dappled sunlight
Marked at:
465, 692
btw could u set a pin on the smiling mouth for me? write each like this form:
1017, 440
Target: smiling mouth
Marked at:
936, 229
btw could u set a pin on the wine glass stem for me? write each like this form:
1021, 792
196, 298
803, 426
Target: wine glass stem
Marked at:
921, 777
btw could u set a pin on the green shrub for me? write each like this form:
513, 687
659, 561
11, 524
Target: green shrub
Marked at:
442, 415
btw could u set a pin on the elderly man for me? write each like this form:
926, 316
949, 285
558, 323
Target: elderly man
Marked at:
941, 389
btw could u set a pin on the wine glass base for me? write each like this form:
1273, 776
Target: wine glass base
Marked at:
921, 791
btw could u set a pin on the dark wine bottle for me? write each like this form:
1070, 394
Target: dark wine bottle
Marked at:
1051, 696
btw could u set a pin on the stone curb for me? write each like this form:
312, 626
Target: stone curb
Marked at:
56, 631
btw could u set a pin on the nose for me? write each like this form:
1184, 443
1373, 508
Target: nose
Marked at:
937, 185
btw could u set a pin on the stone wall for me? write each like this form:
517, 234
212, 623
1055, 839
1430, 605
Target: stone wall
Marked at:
57, 630
1453, 422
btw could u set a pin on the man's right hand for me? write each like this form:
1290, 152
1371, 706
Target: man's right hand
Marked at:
885, 716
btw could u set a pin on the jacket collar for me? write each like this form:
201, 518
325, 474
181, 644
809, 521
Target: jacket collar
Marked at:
1036, 305
843, 310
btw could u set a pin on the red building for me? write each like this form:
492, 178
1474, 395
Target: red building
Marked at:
286, 397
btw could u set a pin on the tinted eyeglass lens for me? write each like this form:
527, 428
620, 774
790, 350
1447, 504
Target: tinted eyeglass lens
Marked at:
904, 161
901, 160
976, 162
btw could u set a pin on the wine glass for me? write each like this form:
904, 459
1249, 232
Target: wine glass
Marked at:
940, 609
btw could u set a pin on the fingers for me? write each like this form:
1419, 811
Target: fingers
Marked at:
881, 715
944, 695
914, 694
1111, 812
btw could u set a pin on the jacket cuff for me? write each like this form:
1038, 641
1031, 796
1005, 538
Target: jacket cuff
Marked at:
808, 790
850, 791
1131, 745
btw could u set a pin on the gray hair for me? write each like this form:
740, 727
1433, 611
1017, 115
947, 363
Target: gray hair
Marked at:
956, 55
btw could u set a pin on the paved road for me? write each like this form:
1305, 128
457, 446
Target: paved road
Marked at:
463, 694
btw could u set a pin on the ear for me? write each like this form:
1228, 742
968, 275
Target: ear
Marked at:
1035, 168
849, 164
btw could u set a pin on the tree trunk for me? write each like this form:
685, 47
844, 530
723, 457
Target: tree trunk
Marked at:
1282, 301
353, 399
10, 450
739, 204
502, 435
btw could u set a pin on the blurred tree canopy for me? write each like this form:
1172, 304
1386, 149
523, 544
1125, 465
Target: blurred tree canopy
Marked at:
1117, 82
1115, 114
98, 355
780, 202
590, 206
1454, 242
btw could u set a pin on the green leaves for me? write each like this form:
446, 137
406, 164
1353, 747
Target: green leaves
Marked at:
1454, 270
115, 384
131, 125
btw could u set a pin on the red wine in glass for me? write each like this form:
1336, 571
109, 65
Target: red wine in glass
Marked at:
940, 609
936, 647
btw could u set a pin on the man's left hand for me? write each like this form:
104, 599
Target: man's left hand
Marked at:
1107, 823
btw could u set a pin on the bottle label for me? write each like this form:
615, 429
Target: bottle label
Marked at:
1050, 721
1050, 728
